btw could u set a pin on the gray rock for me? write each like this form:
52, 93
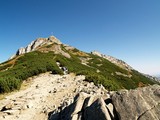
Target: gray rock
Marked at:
54, 39
29, 47
139, 104
37, 43
97, 111
20, 51
8, 107
12, 112
85, 107
114, 60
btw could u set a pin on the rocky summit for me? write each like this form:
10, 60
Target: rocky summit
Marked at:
35, 44
49, 80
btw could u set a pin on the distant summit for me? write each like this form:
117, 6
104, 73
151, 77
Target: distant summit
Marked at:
51, 55
34, 45
113, 60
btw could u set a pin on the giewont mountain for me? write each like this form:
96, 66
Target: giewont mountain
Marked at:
80, 93
49, 54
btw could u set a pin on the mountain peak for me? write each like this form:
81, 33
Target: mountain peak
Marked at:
36, 44
54, 39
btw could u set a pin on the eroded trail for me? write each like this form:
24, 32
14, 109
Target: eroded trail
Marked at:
45, 94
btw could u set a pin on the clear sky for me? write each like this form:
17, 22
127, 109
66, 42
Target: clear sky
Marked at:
126, 29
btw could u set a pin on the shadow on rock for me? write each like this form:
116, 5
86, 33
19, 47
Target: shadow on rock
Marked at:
86, 107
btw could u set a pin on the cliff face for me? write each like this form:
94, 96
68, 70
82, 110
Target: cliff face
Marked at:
34, 45
37, 43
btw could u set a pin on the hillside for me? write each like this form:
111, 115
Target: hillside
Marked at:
49, 54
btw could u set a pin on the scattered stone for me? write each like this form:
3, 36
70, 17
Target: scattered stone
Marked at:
29, 104
12, 112
8, 107
37, 86
75, 99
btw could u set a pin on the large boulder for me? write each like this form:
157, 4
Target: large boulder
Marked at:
86, 107
139, 104
97, 111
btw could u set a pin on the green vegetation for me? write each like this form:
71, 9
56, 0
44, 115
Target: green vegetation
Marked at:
5, 66
34, 63
26, 66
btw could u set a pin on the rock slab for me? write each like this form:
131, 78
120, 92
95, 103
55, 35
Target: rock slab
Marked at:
139, 104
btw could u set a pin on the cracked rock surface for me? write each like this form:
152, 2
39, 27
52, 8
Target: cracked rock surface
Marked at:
139, 104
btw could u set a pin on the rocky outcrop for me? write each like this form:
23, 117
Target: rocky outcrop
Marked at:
37, 43
152, 77
139, 104
87, 107
44, 45
114, 60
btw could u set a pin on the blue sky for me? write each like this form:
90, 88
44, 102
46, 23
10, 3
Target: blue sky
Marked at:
126, 29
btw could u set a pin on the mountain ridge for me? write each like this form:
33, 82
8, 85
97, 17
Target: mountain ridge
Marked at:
36, 43
52, 39
114, 60
59, 82
43, 54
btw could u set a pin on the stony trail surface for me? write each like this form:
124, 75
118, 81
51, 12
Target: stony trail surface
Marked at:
69, 97
45, 94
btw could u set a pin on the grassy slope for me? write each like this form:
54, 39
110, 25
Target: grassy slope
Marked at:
34, 63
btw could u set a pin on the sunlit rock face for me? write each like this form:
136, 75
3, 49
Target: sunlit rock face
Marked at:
37, 43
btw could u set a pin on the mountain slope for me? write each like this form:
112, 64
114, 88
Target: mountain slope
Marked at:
49, 54
114, 60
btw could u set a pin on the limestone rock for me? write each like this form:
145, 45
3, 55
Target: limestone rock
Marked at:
54, 39
29, 47
139, 104
86, 107
97, 111
114, 60
8, 107
20, 51
37, 43
12, 112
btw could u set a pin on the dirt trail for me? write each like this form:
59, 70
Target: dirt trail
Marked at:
45, 94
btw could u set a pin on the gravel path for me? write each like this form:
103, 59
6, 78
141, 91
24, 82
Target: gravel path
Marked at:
45, 94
